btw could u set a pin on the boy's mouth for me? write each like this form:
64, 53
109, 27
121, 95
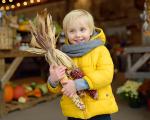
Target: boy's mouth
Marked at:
79, 40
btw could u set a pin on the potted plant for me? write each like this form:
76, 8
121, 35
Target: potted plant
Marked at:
129, 92
144, 91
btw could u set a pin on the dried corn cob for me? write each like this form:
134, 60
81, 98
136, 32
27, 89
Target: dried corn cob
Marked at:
77, 74
43, 32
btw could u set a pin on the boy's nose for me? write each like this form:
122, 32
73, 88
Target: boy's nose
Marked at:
78, 34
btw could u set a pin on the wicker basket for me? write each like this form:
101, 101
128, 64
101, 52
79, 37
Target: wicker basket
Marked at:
6, 38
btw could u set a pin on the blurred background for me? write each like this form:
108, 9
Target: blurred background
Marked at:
23, 76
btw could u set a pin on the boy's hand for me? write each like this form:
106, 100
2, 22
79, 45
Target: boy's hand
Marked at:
69, 88
56, 73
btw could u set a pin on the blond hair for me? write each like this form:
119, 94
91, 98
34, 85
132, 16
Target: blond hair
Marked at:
73, 15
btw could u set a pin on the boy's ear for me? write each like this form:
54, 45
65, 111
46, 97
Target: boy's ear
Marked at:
91, 33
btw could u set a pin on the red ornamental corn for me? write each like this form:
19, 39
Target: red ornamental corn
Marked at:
77, 74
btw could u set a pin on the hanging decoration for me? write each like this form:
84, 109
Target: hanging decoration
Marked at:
17, 4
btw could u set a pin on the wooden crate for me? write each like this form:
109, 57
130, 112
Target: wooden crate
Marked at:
14, 105
7, 35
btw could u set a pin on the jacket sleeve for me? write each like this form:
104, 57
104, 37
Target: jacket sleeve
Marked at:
81, 84
56, 89
103, 74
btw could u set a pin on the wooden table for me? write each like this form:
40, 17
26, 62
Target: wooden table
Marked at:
5, 75
132, 68
18, 56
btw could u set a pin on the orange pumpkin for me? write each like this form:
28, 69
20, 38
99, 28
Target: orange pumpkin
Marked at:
8, 93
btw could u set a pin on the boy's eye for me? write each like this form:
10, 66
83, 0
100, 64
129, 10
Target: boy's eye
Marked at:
71, 31
82, 29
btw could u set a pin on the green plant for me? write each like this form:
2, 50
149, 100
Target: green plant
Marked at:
129, 90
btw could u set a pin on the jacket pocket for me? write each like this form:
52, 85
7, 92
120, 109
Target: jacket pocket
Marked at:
105, 93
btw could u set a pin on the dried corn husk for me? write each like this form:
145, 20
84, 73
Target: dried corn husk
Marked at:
44, 42
33, 43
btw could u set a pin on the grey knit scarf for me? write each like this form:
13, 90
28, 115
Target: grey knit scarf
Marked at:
81, 49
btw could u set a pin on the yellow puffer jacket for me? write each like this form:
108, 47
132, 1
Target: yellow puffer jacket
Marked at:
98, 69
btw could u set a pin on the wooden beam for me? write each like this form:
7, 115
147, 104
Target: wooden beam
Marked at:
2, 67
17, 53
137, 75
11, 70
129, 62
2, 105
142, 49
140, 62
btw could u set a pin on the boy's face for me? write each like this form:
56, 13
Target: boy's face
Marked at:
78, 31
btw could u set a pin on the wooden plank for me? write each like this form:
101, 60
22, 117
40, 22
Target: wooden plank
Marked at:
140, 49
137, 75
2, 67
129, 61
140, 62
11, 70
14, 105
17, 53
2, 104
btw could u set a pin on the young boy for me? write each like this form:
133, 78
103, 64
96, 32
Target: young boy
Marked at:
85, 45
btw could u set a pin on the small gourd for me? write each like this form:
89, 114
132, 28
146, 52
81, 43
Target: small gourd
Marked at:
37, 92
